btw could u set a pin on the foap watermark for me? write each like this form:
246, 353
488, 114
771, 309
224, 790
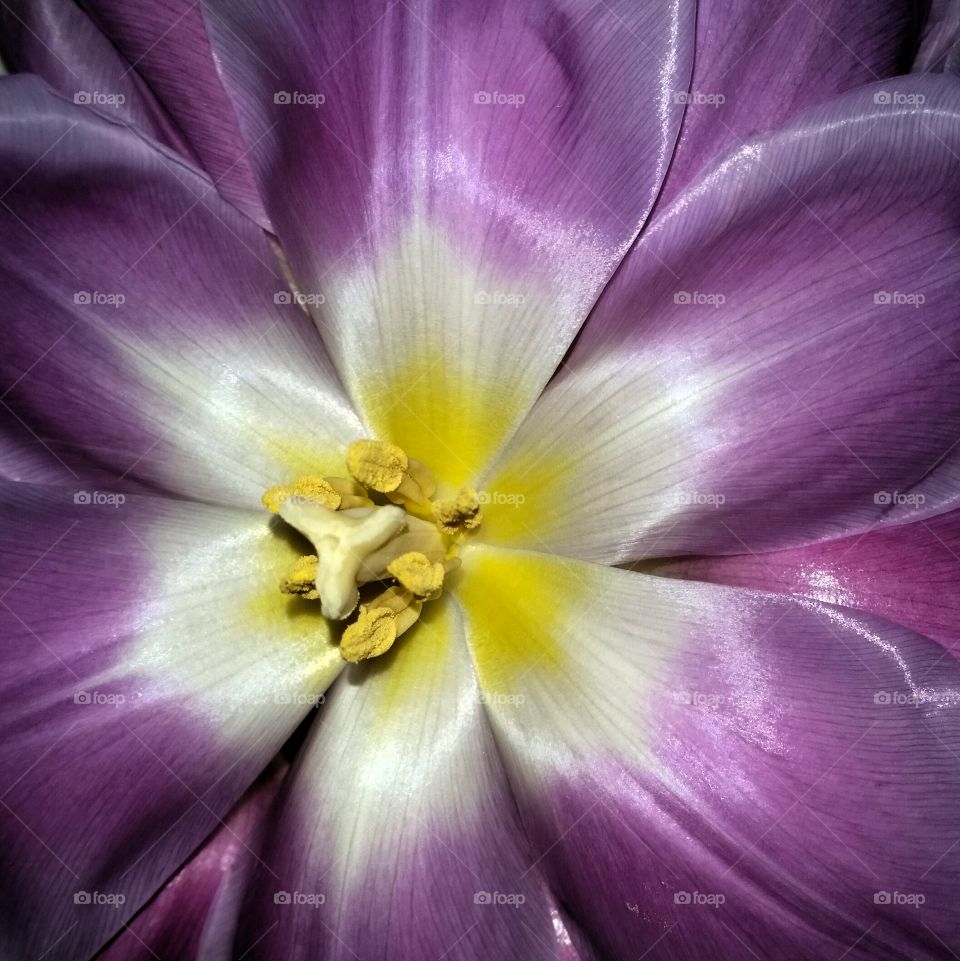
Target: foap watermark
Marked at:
99, 698
286, 697
98, 298
899, 298
698, 698
498, 298
298, 98
99, 898
499, 897
912, 899
897, 98
501, 499
298, 298
494, 698
698, 499
699, 98
301, 500
99, 498
698, 298
712, 900
98, 98
897, 698
299, 898
495, 98
889, 498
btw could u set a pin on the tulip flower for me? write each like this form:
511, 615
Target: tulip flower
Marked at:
480, 481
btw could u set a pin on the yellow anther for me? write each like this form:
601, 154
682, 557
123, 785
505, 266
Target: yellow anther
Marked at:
461, 513
359, 540
302, 580
385, 468
309, 489
379, 624
370, 635
418, 574
377, 465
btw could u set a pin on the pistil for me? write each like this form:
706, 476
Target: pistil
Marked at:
342, 540
359, 540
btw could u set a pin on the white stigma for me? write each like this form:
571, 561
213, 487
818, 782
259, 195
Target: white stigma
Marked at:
343, 540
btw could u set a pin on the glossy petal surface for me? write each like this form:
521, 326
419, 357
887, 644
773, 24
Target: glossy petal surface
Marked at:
148, 324
453, 185
710, 772
777, 362
152, 669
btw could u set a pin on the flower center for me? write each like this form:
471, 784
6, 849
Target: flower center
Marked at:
383, 543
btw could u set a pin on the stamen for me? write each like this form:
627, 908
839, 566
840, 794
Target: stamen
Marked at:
370, 635
377, 465
395, 598
385, 468
418, 574
302, 579
379, 624
336, 493
311, 489
358, 541
351, 493
343, 540
461, 513
424, 479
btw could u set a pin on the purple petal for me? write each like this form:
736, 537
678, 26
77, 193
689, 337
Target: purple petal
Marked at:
151, 671
940, 46
381, 139
708, 772
59, 42
166, 45
396, 835
147, 321
777, 362
194, 916
759, 64
24, 456
906, 574
27, 457
457, 183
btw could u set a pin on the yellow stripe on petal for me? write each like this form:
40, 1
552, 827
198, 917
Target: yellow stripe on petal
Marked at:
441, 414
521, 499
443, 356
565, 645
518, 607
301, 628
300, 457
214, 610
419, 661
